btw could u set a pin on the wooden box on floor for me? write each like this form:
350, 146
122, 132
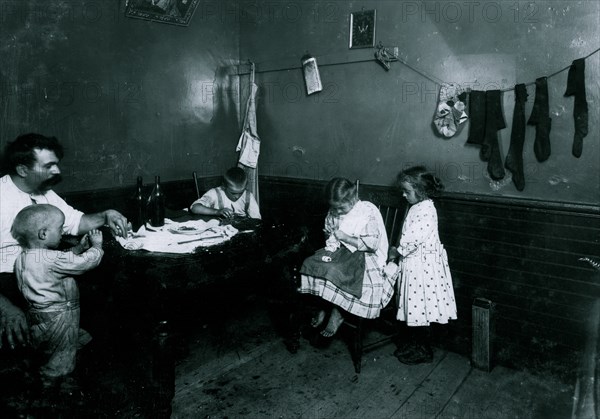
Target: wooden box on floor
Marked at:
482, 314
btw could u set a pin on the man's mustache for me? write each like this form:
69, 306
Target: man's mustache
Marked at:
50, 182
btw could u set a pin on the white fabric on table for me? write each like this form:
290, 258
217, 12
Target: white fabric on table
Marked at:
163, 239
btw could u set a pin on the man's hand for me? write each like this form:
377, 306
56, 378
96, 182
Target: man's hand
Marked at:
116, 222
12, 324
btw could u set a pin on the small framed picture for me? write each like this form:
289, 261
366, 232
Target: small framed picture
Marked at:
174, 12
362, 29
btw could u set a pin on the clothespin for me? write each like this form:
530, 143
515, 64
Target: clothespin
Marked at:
384, 57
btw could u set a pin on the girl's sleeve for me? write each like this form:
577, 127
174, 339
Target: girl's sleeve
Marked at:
370, 236
71, 264
419, 226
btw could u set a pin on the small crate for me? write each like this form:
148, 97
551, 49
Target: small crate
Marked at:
483, 332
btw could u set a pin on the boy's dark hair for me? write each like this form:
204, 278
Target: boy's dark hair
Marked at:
340, 190
22, 151
235, 175
425, 183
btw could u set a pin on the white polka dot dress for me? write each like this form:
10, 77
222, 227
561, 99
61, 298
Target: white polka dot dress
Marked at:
425, 293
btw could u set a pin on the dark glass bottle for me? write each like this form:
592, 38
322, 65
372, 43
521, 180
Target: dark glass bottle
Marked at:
138, 206
156, 205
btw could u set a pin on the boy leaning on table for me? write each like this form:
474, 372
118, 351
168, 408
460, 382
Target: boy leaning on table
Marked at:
230, 199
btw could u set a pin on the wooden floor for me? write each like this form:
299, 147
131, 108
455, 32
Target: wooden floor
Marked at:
242, 369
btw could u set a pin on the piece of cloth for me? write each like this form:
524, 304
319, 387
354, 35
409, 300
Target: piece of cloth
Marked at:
179, 238
343, 268
426, 294
352, 224
217, 199
249, 141
45, 278
576, 87
477, 117
450, 113
494, 121
13, 200
377, 290
514, 158
540, 117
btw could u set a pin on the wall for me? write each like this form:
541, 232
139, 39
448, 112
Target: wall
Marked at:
125, 96
368, 123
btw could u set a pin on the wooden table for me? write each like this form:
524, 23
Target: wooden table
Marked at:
149, 287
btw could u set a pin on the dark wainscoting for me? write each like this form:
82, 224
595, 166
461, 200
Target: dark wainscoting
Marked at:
522, 255
179, 194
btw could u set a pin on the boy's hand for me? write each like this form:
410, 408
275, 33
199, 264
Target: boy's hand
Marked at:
95, 237
82, 246
225, 213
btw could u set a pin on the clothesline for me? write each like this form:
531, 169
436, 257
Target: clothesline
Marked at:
416, 70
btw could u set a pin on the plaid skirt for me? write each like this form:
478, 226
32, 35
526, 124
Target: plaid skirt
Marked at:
377, 291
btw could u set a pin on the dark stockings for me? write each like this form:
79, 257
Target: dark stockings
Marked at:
415, 348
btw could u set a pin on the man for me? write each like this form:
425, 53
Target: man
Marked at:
31, 163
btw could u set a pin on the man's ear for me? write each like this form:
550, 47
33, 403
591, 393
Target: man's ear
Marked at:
42, 233
22, 170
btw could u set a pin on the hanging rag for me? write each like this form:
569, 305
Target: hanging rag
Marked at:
249, 143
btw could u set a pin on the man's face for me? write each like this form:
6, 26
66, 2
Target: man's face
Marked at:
234, 192
44, 173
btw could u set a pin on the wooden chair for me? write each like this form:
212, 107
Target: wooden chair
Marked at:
393, 218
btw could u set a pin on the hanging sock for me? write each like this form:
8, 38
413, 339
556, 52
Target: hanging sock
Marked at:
576, 87
540, 117
477, 115
450, 113
514, 158
494, 121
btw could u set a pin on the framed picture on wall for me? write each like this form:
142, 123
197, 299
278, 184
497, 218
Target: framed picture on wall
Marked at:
362, 29
174, 12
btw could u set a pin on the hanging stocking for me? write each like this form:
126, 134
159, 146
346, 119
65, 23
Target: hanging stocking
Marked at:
514, 158
576, 87
540, 117
477, 112
494, 121
450, 114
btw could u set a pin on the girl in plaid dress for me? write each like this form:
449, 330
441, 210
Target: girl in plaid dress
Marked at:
356, 237
424, 282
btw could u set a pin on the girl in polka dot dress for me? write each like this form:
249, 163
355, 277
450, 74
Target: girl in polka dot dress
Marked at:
424, 282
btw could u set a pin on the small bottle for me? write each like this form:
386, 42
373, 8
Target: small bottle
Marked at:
156, 205
138, 206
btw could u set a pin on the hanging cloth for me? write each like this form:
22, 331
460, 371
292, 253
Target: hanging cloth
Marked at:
249, 143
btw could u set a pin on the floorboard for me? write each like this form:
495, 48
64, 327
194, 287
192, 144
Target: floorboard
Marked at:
255, 376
